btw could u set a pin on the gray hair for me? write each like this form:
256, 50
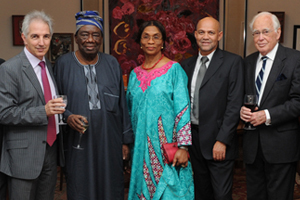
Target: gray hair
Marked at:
276, 23
36, 15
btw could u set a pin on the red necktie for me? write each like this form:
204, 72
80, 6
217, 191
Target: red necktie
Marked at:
51, 131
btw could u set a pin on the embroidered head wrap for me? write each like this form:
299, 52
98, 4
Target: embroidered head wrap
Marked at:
88, 18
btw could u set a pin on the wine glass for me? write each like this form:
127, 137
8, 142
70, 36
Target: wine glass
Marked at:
250, 101
64, 98
85, 126
65, 101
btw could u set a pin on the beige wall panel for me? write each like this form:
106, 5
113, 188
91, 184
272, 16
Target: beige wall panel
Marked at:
292, 17
62, 12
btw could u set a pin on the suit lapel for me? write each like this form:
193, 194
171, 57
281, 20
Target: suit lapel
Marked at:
28, 70
50, 69
275, 71
190, 71
251, 68
214, 65
191, 68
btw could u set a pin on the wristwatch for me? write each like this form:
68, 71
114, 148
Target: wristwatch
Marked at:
184, 147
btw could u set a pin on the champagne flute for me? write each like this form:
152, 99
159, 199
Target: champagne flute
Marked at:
65, 101
250, 101
85, 126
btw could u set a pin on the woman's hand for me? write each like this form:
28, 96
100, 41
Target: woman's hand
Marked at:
181, 158
125, 151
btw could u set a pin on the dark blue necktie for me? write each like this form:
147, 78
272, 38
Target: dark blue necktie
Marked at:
260, 76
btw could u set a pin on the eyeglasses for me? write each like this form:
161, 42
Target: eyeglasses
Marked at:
265, 32
155, 38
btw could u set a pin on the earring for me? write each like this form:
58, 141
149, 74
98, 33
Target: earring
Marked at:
141, 47
162, 47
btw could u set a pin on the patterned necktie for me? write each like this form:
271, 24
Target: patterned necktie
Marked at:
199, 80
51, 130
260, 76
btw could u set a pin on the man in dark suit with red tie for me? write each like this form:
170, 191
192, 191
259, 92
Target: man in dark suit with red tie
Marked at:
272, 149
216, 97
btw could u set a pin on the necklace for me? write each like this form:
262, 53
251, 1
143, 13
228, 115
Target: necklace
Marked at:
153, 65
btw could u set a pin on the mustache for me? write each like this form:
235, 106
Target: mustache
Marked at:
205, 40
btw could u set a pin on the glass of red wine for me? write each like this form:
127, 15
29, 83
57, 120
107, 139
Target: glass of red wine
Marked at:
250, 102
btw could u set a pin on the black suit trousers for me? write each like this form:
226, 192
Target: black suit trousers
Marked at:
3, 186
267, 181
212, 179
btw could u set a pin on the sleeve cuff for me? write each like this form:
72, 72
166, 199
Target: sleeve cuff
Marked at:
268, 120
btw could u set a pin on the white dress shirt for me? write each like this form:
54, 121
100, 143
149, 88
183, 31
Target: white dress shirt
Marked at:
271, 56
34, 61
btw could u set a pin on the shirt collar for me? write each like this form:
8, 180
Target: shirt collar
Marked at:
34, 61
271, 55
209, 56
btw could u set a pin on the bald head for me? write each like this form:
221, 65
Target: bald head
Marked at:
211, 22
208, 34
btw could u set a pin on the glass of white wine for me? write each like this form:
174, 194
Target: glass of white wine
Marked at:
65, 101
64, 98
85, 126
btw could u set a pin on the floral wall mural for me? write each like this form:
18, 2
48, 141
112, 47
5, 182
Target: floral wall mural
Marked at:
178, 16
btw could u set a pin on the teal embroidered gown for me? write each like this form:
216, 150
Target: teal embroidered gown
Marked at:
159, 108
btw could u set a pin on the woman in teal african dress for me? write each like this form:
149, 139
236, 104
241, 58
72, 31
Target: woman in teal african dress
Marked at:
159, 108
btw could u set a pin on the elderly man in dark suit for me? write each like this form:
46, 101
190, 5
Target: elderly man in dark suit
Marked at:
27, 111
272, 149
216, 90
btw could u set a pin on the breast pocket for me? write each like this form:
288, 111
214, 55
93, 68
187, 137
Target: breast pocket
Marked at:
281, 83
111, 100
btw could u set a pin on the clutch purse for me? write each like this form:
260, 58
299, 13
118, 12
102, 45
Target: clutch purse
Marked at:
169, 150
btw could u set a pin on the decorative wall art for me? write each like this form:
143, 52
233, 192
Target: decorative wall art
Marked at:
296, 37
17, 21
179, 18
61, 43
280, 16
